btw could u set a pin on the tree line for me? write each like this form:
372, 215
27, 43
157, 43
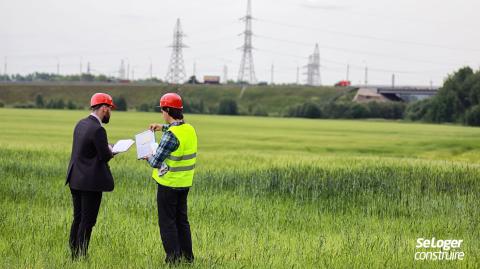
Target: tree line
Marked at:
458, 101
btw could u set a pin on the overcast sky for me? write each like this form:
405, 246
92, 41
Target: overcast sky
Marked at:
418, 40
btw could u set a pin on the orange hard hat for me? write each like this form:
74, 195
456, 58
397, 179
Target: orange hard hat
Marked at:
102, 99
171, 100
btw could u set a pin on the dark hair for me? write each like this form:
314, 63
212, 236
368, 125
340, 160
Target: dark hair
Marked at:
174, 112
96, 107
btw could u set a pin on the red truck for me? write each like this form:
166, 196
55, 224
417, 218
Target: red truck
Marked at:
343, 83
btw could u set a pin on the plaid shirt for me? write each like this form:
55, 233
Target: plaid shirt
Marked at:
168, 144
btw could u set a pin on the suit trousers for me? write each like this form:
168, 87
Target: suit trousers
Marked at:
85, 210
174, 225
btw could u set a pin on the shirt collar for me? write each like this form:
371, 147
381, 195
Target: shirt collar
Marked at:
95, 115
176, 123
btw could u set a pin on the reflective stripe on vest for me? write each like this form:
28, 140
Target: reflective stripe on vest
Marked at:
181, 162
184, 157
181, 168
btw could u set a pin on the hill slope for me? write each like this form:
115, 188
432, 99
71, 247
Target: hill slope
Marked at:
273, 99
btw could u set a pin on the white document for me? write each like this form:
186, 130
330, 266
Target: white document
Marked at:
145, 144
122, 145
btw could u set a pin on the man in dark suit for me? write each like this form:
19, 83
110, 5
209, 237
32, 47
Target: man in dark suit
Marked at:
88, 173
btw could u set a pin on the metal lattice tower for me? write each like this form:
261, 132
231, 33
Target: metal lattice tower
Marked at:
176, 69
247, 71
313, 68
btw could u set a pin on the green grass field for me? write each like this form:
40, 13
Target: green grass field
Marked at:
268, 193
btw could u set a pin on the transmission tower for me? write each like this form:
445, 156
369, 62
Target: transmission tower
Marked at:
247, 71
176, 69
313, 68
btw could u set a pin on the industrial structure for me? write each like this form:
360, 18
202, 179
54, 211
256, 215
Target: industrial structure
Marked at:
176, 70
313, 68
246, 72
398, 93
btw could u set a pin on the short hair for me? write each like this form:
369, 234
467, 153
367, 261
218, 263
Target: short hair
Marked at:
96, 107
175, 113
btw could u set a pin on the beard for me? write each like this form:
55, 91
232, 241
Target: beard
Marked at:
106, 118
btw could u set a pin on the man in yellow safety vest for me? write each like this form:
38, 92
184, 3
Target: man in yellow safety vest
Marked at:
174, 166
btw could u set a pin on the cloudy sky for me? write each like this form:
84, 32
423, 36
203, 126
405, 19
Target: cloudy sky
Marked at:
419, 41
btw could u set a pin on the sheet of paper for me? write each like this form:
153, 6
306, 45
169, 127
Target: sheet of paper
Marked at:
122, 145
145, 143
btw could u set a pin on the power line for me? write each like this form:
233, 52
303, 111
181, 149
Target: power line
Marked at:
350, 65
359, 52
396, 41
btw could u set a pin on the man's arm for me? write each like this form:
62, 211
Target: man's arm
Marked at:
101, 144
168, 144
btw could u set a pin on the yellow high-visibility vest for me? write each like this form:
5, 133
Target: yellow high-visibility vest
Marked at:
181, 162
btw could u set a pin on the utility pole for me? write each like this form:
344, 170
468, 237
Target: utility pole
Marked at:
150, 69
128, 69
225, 74
246, 72
348, 72
366, 76
195, 69
298, 75
393, 80
88, 68
121, 71
271, 74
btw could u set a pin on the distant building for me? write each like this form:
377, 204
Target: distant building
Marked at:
211, 79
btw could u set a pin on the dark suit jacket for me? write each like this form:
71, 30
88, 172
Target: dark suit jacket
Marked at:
88, 169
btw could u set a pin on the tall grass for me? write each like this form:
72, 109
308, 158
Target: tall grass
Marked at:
249, 207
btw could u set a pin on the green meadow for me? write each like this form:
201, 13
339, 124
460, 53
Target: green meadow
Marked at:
268, 193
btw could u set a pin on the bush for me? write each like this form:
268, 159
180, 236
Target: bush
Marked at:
193, 106
387, 110
121, 103
259, 110
144, 107
418, 110
357, 111
472, 116
306, 110
24, 105
39, 101
71, 105
228, 107
55, 104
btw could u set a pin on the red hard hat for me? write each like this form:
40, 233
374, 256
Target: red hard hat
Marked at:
171, 100
102, 98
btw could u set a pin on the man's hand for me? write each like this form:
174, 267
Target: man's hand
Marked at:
155, 127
